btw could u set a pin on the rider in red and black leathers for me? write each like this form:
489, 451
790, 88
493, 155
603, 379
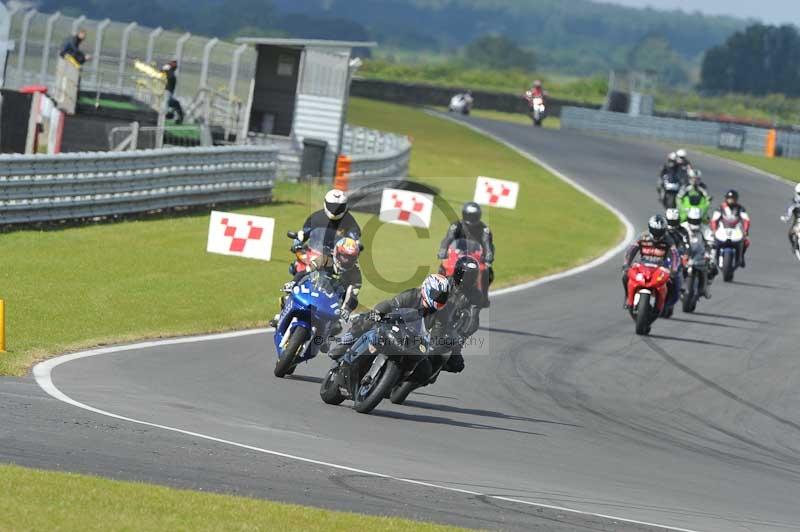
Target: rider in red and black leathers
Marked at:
470, 227
655, 246
731, 209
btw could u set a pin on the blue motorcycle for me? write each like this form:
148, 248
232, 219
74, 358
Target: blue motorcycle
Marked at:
311, 311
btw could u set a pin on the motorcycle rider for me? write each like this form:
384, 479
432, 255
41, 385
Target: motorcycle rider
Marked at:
732, 209
682, 158
343, 270
655, 246
695, 229
678, 233
335, 217
793, 215
470, 227
668, 171
428, 299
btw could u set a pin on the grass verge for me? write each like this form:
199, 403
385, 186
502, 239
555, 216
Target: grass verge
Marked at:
83, 286
40, 500
786, 168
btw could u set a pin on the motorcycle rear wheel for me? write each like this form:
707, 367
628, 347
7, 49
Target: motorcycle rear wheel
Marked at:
286, 364
387, 378
643, 315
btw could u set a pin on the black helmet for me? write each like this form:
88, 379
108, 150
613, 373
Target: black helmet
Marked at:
471, 213
657, 226
731, 195
466, 272
695, 199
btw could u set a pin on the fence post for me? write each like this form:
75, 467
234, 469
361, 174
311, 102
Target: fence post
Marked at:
771, 141
151, 42
23, 44
98, 48
237, 56
179, 47
134, 135
76, 24
123, 53
2, 326
206, 57
48, 37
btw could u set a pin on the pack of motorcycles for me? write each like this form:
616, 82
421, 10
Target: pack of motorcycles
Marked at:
648, 283
396, 354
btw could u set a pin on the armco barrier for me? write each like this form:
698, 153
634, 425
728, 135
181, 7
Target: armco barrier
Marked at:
688, 132
36, 188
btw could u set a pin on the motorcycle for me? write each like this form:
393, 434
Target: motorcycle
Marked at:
460, 103
311, 253
796, 236
647, 294
694, 200
309, 317
730, 246
380, 358
538, 111
670, 186
697, 269
463, 321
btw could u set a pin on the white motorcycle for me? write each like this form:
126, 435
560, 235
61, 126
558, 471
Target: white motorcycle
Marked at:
460, 103
796, 234
730, 246
538, 111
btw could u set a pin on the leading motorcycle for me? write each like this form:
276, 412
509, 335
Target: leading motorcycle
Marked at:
670, 186
796, 236
647, 294
309, 317
380, 358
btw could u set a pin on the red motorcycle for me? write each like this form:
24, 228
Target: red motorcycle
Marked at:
463, 248
647, 294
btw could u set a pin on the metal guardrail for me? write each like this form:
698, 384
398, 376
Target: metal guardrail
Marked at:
375, 156
36, 188
695, 132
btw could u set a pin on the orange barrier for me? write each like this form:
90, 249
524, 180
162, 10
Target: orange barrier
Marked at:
342, 179
769, 145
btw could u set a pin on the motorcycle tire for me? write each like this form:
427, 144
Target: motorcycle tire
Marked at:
400, 393
669, 200
328, 391
690, 299
727, 267
286, 364
643, 315
387, 378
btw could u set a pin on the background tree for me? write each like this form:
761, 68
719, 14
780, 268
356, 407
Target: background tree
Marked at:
654, 53
496, 51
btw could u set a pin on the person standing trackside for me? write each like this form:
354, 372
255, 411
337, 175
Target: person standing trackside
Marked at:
173, 104
72, 48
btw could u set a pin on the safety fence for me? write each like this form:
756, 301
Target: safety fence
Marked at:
203, 62
40, 188
697, 132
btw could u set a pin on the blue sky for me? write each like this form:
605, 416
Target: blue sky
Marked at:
773, 11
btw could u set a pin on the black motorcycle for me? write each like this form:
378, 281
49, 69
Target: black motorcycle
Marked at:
697, 271
390, 350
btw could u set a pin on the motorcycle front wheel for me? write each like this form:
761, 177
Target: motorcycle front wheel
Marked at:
329, 391
369, 395
643, 315
690, 299
286, 364
400, 393
727, 267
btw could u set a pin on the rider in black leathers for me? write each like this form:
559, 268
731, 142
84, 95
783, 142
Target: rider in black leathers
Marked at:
471, 227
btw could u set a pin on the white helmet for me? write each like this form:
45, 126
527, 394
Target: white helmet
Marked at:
673, 217
672, 156
797, 193
335, 204
694, 218
681, 154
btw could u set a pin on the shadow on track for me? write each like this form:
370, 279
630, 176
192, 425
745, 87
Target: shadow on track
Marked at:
305, 378
727, 317
691, 341
436, 420
519, 333
756, 285
482, 413
710, 323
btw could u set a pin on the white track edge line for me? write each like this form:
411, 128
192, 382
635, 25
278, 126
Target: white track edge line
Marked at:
42, 372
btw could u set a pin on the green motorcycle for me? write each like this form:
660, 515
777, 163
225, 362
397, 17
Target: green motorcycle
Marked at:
695, 198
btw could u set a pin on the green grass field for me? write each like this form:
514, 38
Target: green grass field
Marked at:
786, 168
107, 283
39, 500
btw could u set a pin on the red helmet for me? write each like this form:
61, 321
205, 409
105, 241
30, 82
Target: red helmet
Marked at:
345, 254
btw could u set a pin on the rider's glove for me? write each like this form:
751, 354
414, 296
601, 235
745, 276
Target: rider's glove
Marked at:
287, 287
301, 235
784, 219
442, 254
344, 314
374, 315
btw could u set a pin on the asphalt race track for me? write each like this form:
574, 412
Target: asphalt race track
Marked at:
696, 427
